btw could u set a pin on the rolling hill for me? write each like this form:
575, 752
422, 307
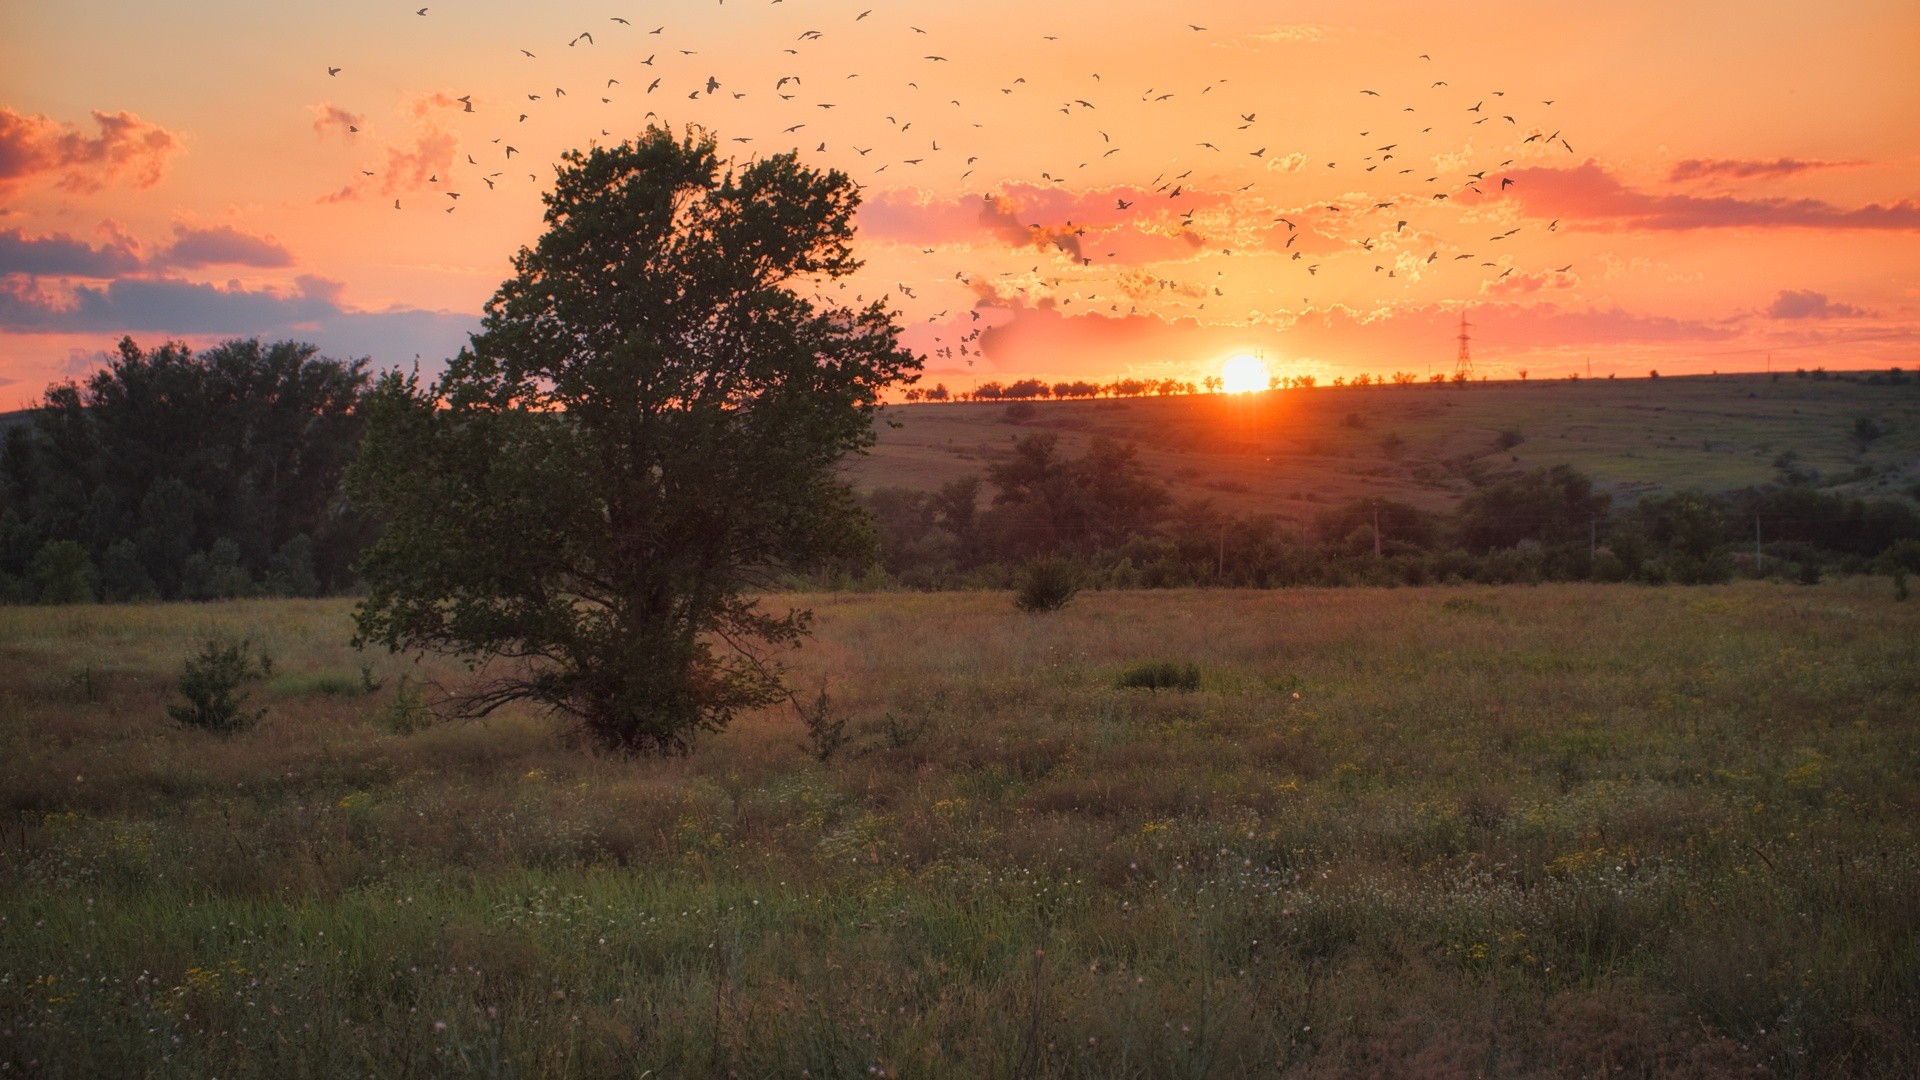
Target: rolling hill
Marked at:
1290, 452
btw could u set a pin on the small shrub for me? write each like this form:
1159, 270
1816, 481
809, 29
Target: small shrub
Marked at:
1046, 585
213, 684
903, 731
827, 734
1509, 438
1161, 675
406, 711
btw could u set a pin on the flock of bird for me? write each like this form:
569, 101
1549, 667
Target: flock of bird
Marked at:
927, 132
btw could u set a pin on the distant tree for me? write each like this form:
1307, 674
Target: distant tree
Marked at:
1049, 503
644, 429
63, 574
1552, 507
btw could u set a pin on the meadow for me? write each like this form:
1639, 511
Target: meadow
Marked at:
1517, 831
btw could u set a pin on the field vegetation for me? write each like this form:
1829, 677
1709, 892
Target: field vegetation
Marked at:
1514, 831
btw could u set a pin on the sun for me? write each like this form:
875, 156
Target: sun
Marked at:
1243, 374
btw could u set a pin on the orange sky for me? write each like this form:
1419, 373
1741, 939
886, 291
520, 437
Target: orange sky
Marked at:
1728, 183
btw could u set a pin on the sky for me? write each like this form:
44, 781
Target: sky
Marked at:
1060, 190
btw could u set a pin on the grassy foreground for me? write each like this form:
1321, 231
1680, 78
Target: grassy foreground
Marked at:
1522, 831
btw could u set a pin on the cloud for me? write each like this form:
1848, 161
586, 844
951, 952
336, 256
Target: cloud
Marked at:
1807, 304
330, 117
311, 311
1743, 169
61, 255
1524, 283
1588, 193
418, 165
37, 146
1292, 32
1078, 225
222, 246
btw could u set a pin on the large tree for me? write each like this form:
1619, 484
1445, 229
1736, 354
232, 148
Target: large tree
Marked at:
644, 430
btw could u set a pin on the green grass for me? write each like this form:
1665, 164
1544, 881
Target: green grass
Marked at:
1290, 453
1517, 831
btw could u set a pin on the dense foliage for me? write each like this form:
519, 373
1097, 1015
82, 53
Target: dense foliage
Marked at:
175, 475
646, 427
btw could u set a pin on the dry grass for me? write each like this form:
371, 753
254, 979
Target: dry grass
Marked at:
1516, 832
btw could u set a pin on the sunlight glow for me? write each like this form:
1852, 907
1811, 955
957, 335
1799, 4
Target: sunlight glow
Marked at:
1243, 374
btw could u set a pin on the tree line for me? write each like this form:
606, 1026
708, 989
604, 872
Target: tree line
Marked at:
1125, 529
175, 475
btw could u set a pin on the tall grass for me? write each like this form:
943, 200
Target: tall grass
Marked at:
1558, 830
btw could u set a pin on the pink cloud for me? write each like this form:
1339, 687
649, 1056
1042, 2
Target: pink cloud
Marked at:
223, 245
37, 146
1807, 304
330, 117
1076, 224
1743, 169
1589, 193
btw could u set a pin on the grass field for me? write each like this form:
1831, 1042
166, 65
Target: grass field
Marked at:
1514, 832
1290, 452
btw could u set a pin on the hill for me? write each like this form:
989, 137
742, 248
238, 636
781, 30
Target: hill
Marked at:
1289, 452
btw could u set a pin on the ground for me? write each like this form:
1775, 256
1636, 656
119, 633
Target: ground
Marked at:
1517, 831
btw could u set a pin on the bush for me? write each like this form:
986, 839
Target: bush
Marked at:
213, 685
406, 712
827, 732
1047, 584
1161, 675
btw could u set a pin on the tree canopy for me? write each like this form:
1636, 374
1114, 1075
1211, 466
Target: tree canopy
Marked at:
642, 433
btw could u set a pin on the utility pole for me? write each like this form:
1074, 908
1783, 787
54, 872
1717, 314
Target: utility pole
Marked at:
1463, 362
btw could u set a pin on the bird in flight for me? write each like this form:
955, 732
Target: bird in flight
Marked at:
333, 71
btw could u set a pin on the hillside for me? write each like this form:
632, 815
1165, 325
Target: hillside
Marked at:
1288, 452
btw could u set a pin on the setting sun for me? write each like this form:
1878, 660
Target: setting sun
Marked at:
1243, 374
